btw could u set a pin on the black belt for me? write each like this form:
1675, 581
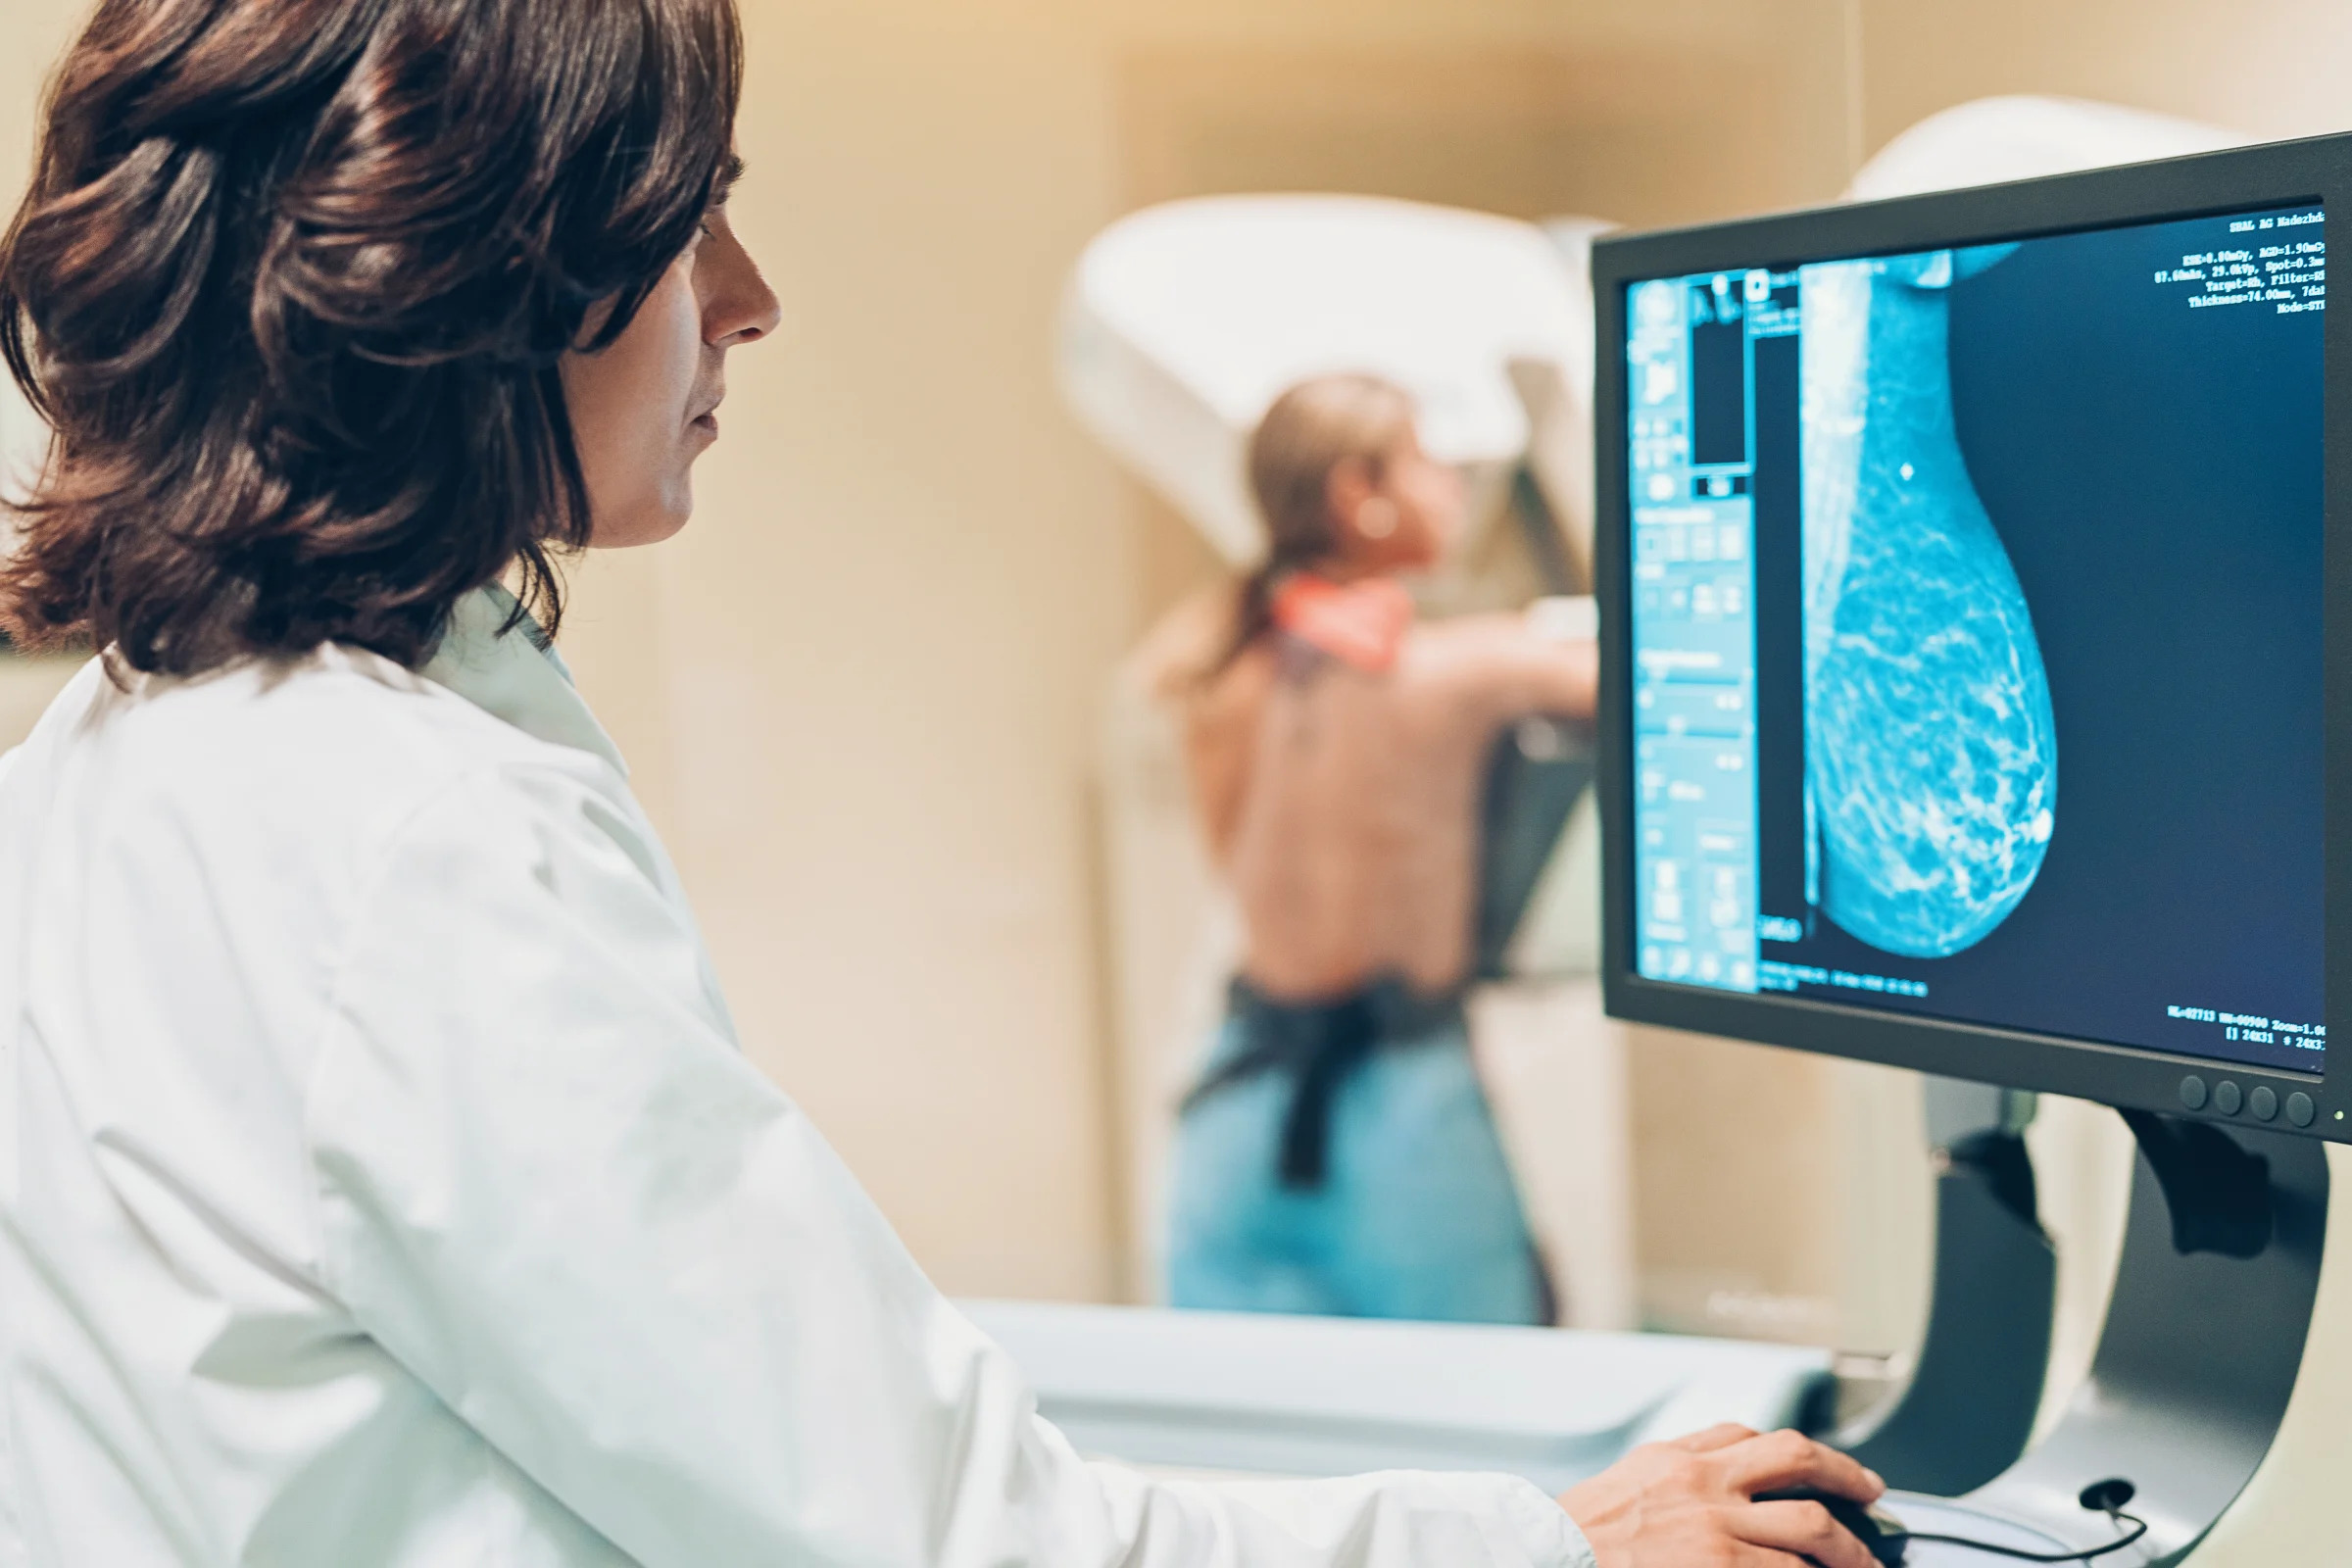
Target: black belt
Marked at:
1318, 1044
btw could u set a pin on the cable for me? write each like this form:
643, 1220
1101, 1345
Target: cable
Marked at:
2116, 1515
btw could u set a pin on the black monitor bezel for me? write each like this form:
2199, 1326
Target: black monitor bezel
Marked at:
2312, 172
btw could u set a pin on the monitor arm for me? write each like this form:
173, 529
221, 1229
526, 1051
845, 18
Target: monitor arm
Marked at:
2202, 1345
1968, 1409
2203, 1341
2216, 1193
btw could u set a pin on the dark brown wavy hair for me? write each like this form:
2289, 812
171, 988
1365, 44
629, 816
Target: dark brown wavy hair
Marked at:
291, 285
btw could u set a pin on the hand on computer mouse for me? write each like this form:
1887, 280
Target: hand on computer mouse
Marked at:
1887, 1536
1688, 1505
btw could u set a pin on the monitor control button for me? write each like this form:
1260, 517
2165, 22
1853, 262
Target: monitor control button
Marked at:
2299, 1109
2263, 1103
2226, 1099
2192, 1092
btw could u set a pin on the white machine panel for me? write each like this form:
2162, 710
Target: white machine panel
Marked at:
1308, 1397
1183, 322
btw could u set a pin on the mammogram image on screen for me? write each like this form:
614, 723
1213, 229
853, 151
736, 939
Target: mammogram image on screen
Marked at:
1931, 757
1907, 532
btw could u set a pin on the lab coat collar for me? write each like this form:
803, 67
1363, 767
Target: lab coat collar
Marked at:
515, 675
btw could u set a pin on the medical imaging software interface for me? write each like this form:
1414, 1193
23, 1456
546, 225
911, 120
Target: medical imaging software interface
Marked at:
1976, 633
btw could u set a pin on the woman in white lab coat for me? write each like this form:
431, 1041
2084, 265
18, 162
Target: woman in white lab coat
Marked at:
380, 1185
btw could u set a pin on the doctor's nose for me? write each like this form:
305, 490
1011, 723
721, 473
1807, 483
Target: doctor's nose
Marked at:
738, 305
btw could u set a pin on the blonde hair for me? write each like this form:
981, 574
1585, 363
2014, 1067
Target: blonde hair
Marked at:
1310, 430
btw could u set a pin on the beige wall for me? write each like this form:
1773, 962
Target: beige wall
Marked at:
859, 694
32, 33
2269, 67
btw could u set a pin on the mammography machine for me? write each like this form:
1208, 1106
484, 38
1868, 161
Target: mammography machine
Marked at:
1181, 325
1969, 620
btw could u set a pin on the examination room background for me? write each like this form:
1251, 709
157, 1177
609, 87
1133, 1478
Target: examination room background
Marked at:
863, 696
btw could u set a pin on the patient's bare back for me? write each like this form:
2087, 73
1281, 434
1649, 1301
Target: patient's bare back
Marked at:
1342, 803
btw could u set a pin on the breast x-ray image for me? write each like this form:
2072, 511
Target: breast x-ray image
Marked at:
1963, 580
1923, 833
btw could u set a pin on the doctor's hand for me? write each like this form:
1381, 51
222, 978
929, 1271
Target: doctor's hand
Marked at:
1686, 1505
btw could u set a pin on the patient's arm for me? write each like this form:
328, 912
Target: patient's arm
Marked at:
1503, 666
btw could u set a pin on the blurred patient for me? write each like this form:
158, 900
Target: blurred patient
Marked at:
1339, 1155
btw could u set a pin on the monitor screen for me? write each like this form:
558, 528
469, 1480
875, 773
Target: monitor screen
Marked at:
1976, 633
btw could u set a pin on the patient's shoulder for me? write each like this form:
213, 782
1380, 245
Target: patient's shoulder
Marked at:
1180, 658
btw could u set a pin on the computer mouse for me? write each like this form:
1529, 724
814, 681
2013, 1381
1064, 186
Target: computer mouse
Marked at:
1881, 1531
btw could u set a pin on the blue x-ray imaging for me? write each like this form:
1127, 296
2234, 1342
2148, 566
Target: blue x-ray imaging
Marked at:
1909, 533
1932, 758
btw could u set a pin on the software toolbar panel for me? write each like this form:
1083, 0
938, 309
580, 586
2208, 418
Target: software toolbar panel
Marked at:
1691, 356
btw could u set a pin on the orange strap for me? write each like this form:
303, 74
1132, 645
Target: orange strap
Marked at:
1363, 624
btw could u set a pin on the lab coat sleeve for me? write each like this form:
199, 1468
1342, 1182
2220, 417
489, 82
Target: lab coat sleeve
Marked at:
549, 1183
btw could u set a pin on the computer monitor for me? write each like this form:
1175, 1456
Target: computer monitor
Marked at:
1974, 654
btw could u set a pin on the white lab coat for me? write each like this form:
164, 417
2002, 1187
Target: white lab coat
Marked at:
381, 1187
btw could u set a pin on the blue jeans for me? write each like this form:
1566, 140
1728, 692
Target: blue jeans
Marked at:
1415, 1215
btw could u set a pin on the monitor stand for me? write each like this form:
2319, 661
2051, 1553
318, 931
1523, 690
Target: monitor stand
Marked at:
2203, 1343
1966, 1411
